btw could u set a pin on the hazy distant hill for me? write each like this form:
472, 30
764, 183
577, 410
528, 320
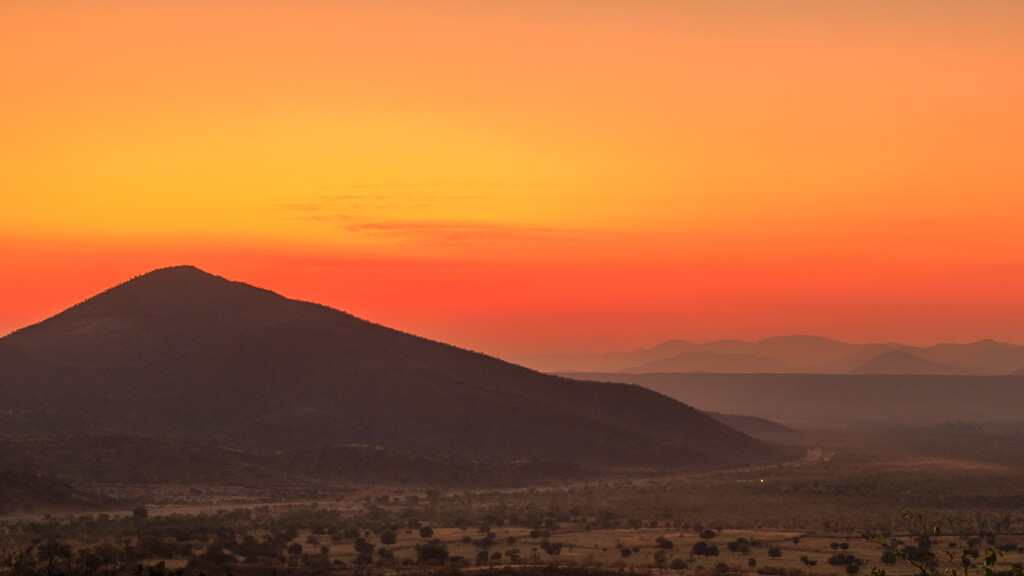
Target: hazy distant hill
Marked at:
900, 362
710, 362
792, 354
841, 399
179, 352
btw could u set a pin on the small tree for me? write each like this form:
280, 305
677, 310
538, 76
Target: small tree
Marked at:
363, 547
432, 551
702, 548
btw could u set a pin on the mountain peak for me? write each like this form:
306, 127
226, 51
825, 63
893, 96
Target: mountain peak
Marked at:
178, 276
160, 314
903, 362
181, 271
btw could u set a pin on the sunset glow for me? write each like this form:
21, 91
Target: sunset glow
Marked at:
523, 177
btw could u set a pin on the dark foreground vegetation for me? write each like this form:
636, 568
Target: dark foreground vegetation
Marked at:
394, 536
837, 516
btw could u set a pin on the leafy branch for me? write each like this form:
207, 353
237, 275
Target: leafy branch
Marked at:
922, 556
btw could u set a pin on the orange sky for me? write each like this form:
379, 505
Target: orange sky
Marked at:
529, 176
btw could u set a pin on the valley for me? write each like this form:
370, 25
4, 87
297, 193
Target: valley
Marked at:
181, 423
789, 519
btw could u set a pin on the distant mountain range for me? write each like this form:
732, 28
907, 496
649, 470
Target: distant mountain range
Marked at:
181, 353
795, 355
821, 401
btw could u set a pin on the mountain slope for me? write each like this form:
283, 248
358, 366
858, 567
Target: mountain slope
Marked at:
179, 352
760, 428
25, 491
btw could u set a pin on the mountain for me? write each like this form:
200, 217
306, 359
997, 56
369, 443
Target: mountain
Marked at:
901, 362
821, 401
805, 350
606, 362
789, 354
856, 359
982, 357
179, 352
711, 362
794, 354
1019, 372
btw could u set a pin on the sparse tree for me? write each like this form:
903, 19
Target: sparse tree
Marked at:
432, 551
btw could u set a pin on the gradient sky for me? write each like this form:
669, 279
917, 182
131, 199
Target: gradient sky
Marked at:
528, 176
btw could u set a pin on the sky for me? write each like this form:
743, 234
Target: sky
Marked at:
521, 177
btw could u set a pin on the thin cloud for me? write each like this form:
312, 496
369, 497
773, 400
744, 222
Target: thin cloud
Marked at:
354, 209
476, 233
386, 198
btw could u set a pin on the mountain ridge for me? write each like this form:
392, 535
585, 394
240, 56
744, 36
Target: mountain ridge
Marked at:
898, 362
182, 352
796, 354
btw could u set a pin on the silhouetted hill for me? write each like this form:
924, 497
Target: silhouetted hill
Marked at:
829, 399
1019, 372
856, 359
983, 357
900, 362
790, 354
712, 362
179, 352
794, 354
805, 350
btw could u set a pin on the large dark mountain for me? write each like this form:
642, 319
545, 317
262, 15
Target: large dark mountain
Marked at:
179, 352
